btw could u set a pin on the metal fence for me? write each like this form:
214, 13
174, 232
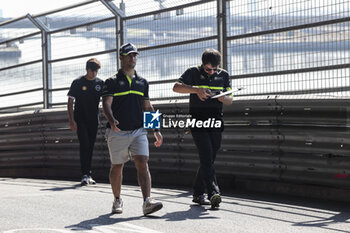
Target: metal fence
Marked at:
299, 48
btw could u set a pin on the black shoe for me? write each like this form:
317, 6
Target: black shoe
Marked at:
201, 200
84, 180
215, 201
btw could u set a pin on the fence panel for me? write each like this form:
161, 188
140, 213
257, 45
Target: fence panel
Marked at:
272, 47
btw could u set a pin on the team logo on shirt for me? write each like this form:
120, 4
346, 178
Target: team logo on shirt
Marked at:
84, 88
98, 88
121, 83
202, 77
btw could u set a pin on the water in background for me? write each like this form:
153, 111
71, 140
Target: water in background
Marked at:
270, 53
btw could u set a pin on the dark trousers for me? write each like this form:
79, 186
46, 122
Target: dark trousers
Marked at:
208, 143
87, 136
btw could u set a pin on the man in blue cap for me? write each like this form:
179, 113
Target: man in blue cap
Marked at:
125, 97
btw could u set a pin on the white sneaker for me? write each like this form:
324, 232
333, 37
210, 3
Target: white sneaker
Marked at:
117, 207
91, 181
150, 206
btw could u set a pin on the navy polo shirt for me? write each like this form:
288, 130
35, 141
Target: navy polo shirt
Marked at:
129, 94
87, 95
197, 77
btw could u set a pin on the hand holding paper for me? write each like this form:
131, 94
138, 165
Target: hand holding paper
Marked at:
227, 92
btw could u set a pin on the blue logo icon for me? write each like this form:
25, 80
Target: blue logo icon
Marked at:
151, 120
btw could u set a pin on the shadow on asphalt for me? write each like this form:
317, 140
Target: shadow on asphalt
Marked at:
103, 220
194, 212
76, 186
337, 218
328, 212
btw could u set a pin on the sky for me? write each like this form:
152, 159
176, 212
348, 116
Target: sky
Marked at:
18, 8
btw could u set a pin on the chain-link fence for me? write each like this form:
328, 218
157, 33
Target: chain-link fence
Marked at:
270, 47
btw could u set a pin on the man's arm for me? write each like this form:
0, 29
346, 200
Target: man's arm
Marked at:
226, 99
202, 93
107, 110
147, 106
72, 123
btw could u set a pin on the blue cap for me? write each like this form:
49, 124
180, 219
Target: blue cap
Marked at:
126, 49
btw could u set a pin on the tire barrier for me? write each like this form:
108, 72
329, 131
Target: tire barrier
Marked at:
279, 140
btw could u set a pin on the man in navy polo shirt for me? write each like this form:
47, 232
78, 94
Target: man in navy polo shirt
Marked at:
85, 93
125, 97
201, 83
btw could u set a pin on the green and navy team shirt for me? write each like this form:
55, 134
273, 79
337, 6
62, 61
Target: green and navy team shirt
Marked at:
129, 94
86, 94
197, 77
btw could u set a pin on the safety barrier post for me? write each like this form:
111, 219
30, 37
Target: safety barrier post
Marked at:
222, 31
119, 15
46, 55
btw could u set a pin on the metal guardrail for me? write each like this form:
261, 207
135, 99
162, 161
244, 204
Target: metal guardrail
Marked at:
297, 47
292, 141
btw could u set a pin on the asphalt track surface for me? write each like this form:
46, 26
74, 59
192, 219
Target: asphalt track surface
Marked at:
48, 206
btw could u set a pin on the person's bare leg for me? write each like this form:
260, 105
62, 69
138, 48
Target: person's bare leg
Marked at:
143, 175
116, 178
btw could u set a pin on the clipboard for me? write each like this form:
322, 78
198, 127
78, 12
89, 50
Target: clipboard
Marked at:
227, 92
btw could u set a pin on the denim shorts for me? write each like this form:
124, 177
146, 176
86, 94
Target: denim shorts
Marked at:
124, 144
